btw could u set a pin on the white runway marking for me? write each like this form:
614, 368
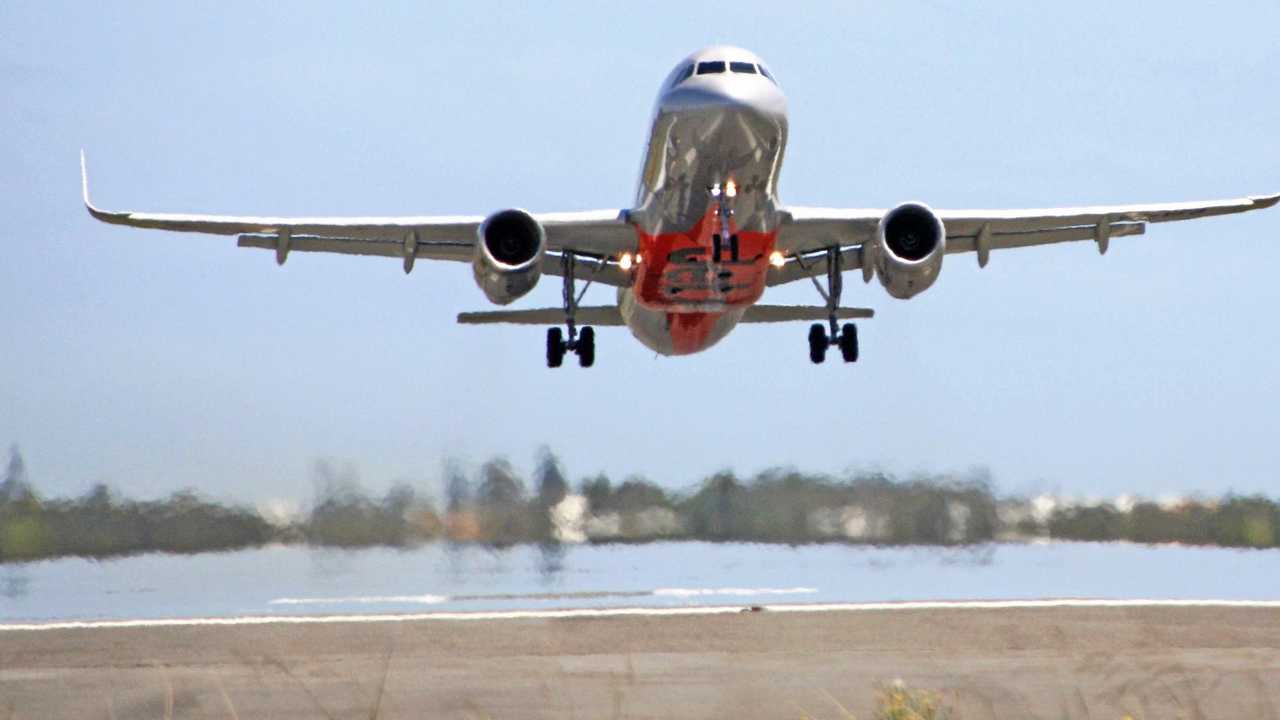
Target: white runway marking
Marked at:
438, 599
638, 611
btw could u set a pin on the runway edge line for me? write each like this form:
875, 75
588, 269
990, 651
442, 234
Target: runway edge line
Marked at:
631, 612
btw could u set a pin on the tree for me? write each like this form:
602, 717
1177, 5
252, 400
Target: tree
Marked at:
715, 512
499, 485
552, 487
15, 488
599, 493
504, 519
457, 488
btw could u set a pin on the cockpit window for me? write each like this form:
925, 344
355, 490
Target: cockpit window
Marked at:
707, 68
684, 74
765, 72
743, 67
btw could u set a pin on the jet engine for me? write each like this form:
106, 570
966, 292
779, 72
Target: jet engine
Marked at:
908, 249
508, 259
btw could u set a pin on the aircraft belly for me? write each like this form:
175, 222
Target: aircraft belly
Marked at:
679, 221
676, 333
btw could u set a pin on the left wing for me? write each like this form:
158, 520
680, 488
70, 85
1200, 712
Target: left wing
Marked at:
598, 234
806, 231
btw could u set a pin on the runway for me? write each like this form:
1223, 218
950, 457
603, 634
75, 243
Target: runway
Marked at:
1055, 659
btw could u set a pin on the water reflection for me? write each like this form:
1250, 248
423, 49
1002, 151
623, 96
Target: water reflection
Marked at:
328, 563
15, 583
550, 561
472, 577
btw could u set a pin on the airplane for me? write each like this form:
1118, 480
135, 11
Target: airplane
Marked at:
706, 235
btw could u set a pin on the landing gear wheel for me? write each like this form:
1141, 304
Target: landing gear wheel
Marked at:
581, 342
555, 347
849, 342
587, 347
818, 343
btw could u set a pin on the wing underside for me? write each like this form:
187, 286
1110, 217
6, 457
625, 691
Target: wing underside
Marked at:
808, 234
595, 236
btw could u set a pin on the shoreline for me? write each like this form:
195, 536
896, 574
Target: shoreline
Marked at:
1012, 541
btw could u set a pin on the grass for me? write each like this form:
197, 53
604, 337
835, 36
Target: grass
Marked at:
898, 701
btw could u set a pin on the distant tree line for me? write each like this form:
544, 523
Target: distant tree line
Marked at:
496, 506
1233, 521
100, 524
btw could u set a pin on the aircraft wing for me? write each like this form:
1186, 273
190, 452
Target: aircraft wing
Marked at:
604, 315
598, 234
807, 232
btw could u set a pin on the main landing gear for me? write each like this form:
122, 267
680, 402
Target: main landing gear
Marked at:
845, 338
581, 343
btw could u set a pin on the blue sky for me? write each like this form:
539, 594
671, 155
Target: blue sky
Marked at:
155, 361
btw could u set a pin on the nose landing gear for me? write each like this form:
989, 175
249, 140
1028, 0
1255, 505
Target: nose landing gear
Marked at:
724, 239
581, 343
845, 338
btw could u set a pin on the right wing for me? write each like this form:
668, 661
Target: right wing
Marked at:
807, 233
596, 234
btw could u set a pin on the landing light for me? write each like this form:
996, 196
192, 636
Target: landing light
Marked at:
639, 258
625, 260
731, 189
776, 259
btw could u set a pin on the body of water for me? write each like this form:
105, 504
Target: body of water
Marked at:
297, 580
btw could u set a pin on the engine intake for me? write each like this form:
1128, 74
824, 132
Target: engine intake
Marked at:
907, 255
508, 259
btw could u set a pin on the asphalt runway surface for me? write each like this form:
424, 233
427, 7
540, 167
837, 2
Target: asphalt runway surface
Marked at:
1017, 661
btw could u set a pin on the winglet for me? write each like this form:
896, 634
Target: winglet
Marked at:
1265, 201
84, 181
96, 212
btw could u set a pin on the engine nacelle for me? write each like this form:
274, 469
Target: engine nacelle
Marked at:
508, 259
908, 249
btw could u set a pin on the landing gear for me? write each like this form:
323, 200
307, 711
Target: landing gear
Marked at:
718, 247
849, 342
583, 343
725, 239
845, 338
587, 347
818, 343
555, 347
584, 347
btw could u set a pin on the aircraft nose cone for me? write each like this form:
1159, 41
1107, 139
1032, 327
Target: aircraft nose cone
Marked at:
766, 103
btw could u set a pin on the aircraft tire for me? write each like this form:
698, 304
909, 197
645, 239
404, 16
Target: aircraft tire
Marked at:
849, 343
555, 347
587, 347
817, 343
